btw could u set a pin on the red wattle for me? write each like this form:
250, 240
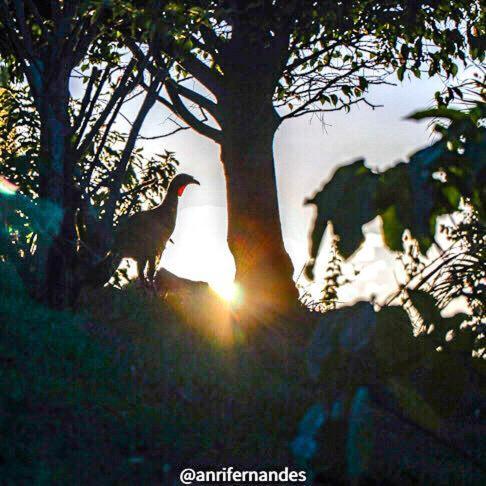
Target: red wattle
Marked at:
181, 190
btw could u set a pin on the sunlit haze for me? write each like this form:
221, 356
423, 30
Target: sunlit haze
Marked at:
306, 153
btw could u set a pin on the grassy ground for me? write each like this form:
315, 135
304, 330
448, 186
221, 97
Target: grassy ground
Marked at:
126, 392
131, 389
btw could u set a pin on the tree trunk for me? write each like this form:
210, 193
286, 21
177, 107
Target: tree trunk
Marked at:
56, 249
264, 269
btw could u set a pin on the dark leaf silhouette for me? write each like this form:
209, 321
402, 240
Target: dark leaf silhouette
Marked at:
349, 330
347, 201
408, 196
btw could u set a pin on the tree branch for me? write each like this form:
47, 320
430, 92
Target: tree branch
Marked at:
96, 159
183, 112
302, 109
84, 123
123, 88
203, 73
204, 102
119, 172
28, 62
86, 98
24, 31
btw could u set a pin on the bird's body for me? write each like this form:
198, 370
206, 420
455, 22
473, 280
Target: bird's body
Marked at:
144, 236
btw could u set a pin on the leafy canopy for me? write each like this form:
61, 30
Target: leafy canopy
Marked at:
309, 56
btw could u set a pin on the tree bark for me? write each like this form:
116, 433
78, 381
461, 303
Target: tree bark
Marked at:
56, 252
263, 267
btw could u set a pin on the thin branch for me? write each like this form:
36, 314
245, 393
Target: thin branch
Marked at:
204, 102
80, 49
119, 172
183, 112
86, 98
134, 191
320, 92
28, 62
101, 147
314, 55
207, 76
123, 88
164, 135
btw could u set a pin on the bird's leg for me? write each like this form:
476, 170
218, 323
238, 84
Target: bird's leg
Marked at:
152, 265
141, 272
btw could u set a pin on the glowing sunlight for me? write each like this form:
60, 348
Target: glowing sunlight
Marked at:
227, 290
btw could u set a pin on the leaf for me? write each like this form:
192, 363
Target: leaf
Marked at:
462, 339
441, 112
400, 73
392, 229
313, 420
452, 195
457, 340
426, 306
406, 198
359, 441
348, 201
397, 351
424, 194
349, 330
414, 406
363, 82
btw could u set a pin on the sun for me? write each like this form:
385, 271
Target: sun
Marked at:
228, 290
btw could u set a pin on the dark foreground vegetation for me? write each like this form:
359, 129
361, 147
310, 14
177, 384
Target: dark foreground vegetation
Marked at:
130, 392
131, 396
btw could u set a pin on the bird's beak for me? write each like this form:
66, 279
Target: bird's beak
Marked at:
195, 181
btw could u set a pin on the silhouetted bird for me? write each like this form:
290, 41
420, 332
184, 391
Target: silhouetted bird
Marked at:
143, 237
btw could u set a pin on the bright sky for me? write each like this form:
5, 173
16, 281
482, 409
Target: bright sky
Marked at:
306, 154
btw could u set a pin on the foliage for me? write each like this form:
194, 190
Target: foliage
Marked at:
325, 58
347, 202
407, 196
410, 197
304, 446
341, 333
333, 279
381, 346
19, 140
72, 153
144, 184
426, 379
465, 271
421, 360
355, 195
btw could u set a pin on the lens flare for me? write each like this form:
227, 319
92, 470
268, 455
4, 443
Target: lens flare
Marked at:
230, 291
7, 188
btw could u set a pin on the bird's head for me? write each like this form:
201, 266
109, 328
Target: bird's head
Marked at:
181, 181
